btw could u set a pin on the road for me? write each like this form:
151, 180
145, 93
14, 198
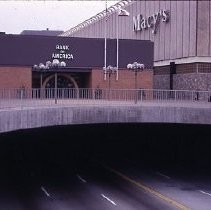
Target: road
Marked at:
93, 186
189, 187
83, 187
106, 167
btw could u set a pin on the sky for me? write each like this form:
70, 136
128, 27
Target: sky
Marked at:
16, 16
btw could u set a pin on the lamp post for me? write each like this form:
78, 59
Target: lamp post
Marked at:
109, 70
105, 42
55, 64
121, 13
135, 67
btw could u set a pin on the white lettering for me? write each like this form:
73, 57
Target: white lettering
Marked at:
70, 56
143, 24
149, 22
165, 15
140, 23
156, 18
62, 56
54, 55
136, 22
62, 47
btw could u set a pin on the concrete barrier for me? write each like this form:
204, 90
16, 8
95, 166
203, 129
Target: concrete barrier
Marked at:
29, 117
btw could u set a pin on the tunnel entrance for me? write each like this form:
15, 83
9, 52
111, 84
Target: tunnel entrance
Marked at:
155, 145
40, 167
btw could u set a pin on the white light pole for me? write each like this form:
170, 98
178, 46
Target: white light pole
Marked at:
109, 70
121, 13
105, 46
136, 67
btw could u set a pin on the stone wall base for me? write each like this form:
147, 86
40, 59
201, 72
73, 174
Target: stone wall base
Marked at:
195, 76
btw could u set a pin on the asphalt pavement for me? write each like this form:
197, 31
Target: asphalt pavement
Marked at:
125, 167
83, 187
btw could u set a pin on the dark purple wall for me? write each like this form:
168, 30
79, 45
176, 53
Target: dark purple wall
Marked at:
20, 50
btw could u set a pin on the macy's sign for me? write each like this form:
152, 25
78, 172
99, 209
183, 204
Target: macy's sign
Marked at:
140, 23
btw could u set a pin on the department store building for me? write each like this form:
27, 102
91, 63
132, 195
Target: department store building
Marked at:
180, 31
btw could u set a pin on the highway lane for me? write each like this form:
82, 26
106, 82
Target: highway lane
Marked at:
82, 187
61, 168
187, 186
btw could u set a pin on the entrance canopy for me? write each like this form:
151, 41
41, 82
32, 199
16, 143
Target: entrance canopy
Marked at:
77, 53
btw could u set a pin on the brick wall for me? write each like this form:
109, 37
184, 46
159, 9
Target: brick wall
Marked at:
15, 77
126, 80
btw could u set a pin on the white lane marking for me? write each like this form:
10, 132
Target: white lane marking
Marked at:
163, 175
45, 191
108, 199
204, 192
81, 179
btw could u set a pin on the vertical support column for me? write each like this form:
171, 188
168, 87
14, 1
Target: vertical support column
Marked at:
136, 91
172, 72
135, 80
55, 88
41, 80
105, 46
41, 89
117, 47
109, 84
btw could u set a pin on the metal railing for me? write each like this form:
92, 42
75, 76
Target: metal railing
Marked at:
45, 97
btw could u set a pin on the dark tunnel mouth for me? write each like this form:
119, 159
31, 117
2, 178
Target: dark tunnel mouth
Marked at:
52, 155
158, 144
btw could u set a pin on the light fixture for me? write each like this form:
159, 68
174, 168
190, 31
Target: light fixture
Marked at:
121, 13
136, 67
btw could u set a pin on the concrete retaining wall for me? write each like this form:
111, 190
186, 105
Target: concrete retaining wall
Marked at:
15, 119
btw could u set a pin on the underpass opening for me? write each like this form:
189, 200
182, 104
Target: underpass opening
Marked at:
153, 145
62, 157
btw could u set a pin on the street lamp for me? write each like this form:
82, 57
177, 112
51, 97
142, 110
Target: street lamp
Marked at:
109, 70
136, 67
121, 13
105, 38
50, 65
55, 64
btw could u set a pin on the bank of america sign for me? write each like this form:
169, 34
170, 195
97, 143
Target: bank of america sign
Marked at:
152, 22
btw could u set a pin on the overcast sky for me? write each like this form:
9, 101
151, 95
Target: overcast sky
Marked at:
16, 16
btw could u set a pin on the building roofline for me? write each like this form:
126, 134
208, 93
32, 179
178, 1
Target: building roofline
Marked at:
104, 14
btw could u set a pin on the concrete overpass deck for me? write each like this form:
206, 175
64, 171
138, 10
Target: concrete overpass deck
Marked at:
26, 114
